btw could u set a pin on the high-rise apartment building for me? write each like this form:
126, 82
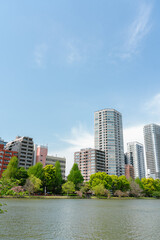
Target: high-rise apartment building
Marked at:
152, 149
135, 157
53, 159
90, 161
25, 148
108, 137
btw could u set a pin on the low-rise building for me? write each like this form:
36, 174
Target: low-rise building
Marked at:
40, 154
5, 157
53, 159
129, 171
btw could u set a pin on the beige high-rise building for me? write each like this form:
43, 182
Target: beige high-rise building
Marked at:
90, 161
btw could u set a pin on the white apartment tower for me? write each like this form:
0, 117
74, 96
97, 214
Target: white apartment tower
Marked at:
25, 148
152, 149
108, 137
135, 150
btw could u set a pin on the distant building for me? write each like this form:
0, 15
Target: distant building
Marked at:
152, 150
135, 158
129, 171
108, 137
3, 142
5, 156
53, 159
90, 161
41, 154
25, 148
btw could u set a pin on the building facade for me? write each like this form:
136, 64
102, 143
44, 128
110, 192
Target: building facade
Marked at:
152, 150
40, 154
90, 161
25, 148
108, 137
129, 171
135, 157
5, 157
53, 159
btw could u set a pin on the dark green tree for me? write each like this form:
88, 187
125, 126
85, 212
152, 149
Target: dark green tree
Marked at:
21, 175
75, 176
37, 170
58, 176
12, 168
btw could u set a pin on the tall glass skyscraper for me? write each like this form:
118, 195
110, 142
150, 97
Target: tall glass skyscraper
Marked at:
152, 149
108, 137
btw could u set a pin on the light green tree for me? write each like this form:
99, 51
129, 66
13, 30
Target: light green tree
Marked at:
68, 187
100, 178
12, 168
32, 184
36, 170
100, 190
49, 180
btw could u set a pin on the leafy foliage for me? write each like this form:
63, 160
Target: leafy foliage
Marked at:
101, 178
100, 190
58, 177
12, 168
21, 175
68, 187
49, 178
75, 176
37, 171
32, 185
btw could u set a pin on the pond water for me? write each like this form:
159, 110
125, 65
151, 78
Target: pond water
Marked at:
66, 219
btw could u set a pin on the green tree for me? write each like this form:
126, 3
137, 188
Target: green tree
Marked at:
12, 168
6, 184
100, 178
148, 186
124, 184
100, 190
36, 170
21, 175
58, 177
68, 187
75, 176
49, 180
32, 184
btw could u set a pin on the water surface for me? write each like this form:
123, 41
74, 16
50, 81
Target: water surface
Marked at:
66, 219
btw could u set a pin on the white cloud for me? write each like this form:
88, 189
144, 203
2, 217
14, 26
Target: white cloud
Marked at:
74, 54
135, 33
134, 133
79, 138
39, 54
153, 105
137, 30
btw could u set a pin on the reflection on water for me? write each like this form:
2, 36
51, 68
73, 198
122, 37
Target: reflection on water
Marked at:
80, 219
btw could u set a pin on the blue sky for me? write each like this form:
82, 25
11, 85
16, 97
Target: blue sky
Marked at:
62, 60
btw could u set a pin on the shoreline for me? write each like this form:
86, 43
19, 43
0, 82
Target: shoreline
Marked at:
77, 197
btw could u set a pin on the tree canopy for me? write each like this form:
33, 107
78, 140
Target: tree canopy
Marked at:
75, 175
